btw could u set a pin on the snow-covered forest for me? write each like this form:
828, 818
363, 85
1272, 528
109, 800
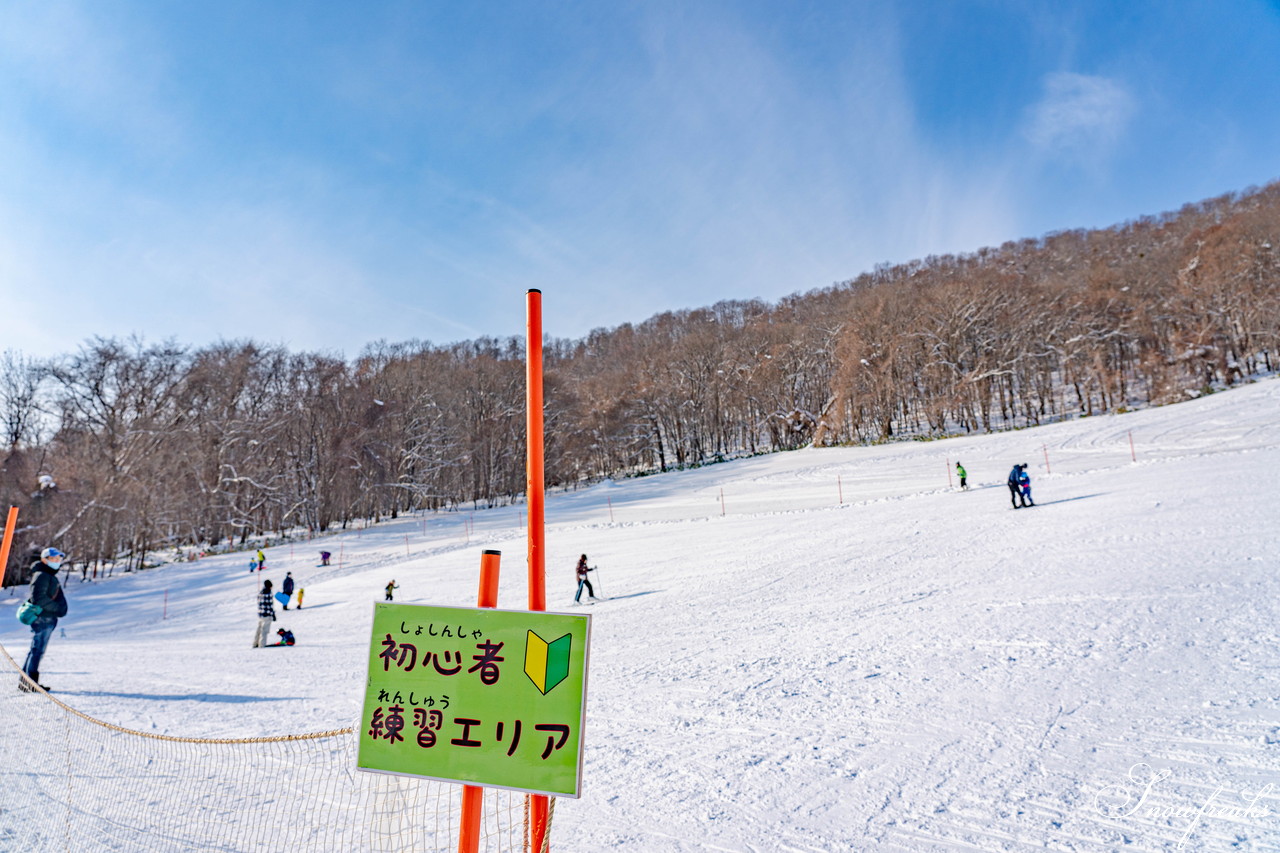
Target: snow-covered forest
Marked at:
125, 446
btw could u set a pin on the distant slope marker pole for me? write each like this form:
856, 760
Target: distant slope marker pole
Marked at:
950, 484
1046, 458
406, 545
473, 795
722, 501
535, 488
1132, 454
610, 500
10, 525
840, 489
165, 613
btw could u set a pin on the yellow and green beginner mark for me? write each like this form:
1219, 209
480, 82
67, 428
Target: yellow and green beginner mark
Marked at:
547, 664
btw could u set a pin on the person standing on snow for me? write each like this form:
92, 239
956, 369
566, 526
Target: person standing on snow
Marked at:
287, 588
960, 472
301, 592
1024, 486
581, 572
1014, 487
262, 560
46, 593
391, 588
266, 615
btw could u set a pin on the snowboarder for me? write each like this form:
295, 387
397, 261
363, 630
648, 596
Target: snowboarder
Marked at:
1024, 486
324, 558
287, 588
581, 572
47, 595
262, 560
391, 588
300, 592
960, 472
266, 615
286, 638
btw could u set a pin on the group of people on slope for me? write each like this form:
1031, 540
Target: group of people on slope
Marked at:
1019, 484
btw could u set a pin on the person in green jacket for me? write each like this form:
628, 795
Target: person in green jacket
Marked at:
961, 473
46, 593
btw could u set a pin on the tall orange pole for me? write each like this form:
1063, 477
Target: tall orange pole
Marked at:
535, 486
9, 526
473, 795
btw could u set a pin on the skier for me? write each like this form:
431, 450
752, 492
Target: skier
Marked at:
266, 615
581, 572
391, 588
324, 558
253, 566
960, 472
262, 560
1024, 486
47, 595
287, 588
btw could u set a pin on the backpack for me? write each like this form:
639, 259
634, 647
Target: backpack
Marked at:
29, 612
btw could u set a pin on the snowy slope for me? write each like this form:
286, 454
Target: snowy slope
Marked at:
824, 649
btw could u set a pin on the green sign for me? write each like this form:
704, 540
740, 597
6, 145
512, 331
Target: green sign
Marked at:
474, 695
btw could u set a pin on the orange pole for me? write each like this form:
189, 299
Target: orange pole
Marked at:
9, 527
473, 795
535, 490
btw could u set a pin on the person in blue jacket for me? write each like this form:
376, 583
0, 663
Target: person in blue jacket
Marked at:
46, 593
287, 588
1024, 486
1016, 477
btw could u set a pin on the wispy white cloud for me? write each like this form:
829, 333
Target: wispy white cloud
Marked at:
1080, 114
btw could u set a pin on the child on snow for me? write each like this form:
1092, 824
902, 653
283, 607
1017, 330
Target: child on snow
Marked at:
960, 472
324, 558
581, 572
391, 588
286, 638
1024, 485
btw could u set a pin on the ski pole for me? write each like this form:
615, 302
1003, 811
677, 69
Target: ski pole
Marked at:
599, 586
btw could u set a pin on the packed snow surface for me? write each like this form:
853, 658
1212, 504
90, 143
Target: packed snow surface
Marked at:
819, 650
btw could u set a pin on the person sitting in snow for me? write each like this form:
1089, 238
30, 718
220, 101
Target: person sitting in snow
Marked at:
286, 638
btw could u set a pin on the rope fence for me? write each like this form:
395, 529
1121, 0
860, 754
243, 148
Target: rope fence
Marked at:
71, 782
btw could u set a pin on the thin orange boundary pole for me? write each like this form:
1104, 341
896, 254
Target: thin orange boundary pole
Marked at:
535, 490
9, 526
473, 795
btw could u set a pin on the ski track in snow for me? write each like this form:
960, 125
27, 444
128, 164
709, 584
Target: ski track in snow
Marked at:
853, 656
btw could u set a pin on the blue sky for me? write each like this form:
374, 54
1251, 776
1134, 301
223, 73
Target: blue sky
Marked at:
323, 175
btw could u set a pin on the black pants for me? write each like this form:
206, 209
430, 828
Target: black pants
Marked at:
1015, 493
584, 582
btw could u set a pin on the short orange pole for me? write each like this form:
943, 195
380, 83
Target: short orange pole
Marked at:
1132, 453
1046, 459
10, 525
950, 483
535, 491
473, 795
